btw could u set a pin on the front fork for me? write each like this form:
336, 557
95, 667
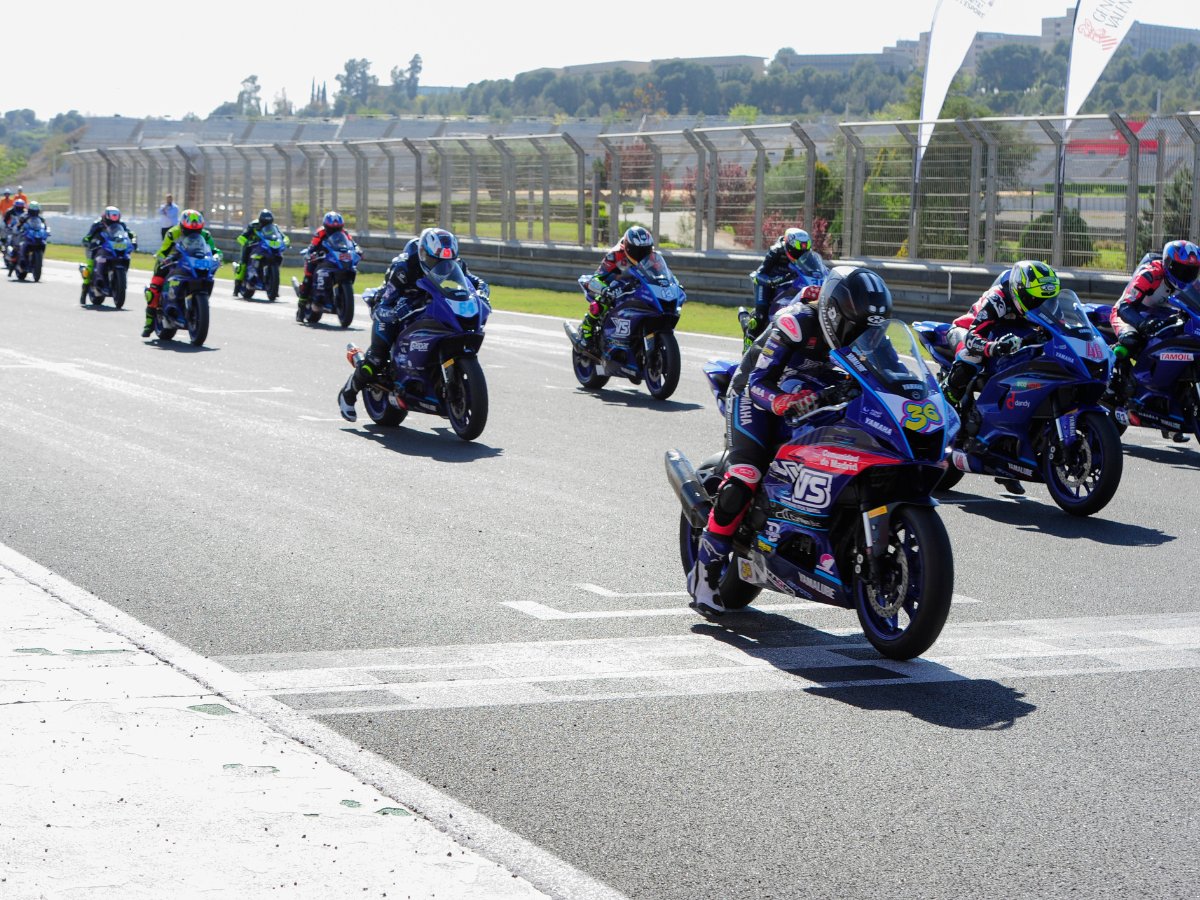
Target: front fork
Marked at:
876, 535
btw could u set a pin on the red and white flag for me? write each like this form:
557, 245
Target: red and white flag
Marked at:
1100, 25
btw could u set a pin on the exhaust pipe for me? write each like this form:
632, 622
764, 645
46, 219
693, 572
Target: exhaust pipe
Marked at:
688, 489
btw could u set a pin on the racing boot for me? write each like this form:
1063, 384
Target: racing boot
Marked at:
239, 275
347, 397
152, 297
705, 577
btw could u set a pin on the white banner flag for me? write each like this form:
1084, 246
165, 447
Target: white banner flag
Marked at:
1100, 25
955, 24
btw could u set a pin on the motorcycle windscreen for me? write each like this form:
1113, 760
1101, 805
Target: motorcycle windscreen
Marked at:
657, 275
1065, 315
194, 245
456, 288
811, 265
271, 236
338, 242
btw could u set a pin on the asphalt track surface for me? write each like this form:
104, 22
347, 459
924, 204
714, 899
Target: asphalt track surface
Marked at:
505, 621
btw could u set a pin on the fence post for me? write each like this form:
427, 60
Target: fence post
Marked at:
1160, 189
1189, 125
418, 183
386, 148
656, 209
189, 189
333, 174
701, 186
508, 206
545, 155
362, 206
472, 187
714, 187
445, 171
855, 181
287, 184
312, 155
1060, 177
1132, 192
614, 189
810, 174
760, 185
965, 129
914, 203
581, 184
247, 181
111, 194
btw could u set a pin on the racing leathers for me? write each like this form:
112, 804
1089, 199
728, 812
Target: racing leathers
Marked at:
313, 258
1141, 307
399, 299
91, 241
783, 372
246, 240
161, 265
772, 274
984, 331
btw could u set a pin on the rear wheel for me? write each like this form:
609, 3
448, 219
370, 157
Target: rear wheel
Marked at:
344, 293
586, 372
1083, 478
952, 476
197, 319
662, 366
904, 613
734, 593
380, 409
467, 398
163, 334
119, 286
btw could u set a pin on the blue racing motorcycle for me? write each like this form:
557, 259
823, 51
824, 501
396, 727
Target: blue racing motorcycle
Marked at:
1163, 389
434, 364
28, 248
192, 267
262, 269
1038, 417
333, 281
637, 335
808, 271
843, 515
114, 247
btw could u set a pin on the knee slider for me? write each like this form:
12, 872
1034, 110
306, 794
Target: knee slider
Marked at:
734, 495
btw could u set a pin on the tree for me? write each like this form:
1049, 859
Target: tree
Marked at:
356, 83
67, 122
249, 102
412, 79
283, 106
1010, 68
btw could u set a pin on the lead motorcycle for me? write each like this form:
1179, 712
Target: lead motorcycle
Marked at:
844, 515
262, 269
637, 334
192, 267
110, 266
434, 364
1163, 389
1038, 417
333, 280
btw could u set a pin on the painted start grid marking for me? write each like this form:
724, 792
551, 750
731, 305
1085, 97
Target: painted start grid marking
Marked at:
696, 664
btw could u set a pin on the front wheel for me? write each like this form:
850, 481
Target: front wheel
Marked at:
37, 265
734, 593
119, 286
467, 398
271, 281
344, 294
903, 614
197, 319
1084, 477
662, 366
586, 373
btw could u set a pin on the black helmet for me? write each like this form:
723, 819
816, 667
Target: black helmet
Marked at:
852, 300
265, 218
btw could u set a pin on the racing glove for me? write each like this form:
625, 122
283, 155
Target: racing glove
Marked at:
1004, 346
801, 403
810, 293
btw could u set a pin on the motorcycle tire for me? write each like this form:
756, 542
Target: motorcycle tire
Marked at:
163, 334
37, 265
951, 477
119, 286
271, 282
734, 593
919, 554
380, 410
586, 373
344, 293
467, 398
21, 273
1078, 492
83, 295
662, 366
197, 319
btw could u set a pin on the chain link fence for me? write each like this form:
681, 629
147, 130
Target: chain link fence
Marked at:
1095, 195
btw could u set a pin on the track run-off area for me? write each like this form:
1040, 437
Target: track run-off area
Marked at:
503, 623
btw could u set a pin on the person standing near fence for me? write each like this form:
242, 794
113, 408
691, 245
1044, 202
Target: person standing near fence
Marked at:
168, 215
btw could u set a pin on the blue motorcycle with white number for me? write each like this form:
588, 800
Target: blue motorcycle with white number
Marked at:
266, 257
636, 337
190, 271
113, 249
27, 249
844, 515
1163, 388
807, 271
1039, 417
333, 279
434, 364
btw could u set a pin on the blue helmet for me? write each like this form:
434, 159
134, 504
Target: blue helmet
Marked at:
333, 221
1181, 263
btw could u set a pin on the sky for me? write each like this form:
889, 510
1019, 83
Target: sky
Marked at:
149, 60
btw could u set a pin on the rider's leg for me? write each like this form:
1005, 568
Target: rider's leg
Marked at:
386, 319
153, 298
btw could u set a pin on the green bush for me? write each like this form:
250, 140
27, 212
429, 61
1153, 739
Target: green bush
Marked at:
1037, 239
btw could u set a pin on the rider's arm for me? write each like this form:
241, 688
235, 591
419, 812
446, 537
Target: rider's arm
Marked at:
168, 244
986, 317
788, 335
480, 285
1131, 307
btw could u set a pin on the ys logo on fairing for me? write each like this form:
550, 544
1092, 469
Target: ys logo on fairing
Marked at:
813, 489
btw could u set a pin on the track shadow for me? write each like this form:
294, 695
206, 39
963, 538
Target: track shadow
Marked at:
935, 695
443, 445
178, 346
330, 326
1178, 456
1044, 517
637, 399
103, 308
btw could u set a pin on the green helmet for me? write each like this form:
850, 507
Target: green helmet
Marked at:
1032, 283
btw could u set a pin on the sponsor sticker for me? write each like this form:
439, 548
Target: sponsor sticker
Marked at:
1172, 356
921, 417
745, 570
